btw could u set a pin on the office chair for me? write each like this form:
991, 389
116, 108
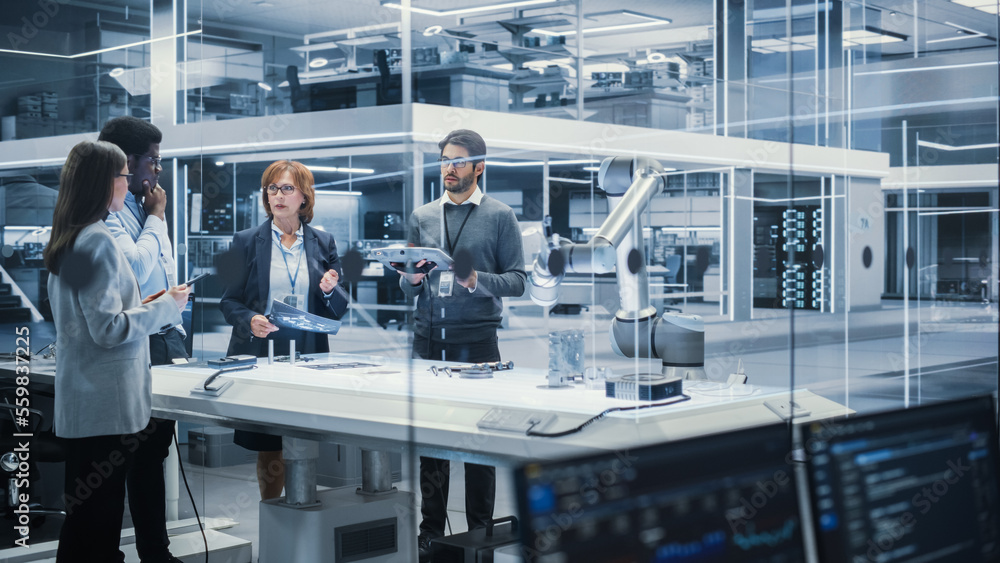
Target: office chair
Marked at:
43, 447
673, 265
299, 95
390, 88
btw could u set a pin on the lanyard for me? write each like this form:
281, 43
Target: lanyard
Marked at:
298, 263
444, 217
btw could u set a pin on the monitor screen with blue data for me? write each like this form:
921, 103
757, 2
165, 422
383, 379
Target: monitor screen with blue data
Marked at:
724, 498
915, 485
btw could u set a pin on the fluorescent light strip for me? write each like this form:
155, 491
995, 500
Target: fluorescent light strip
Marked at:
359, 180
972, 34
925, 68
785, 199
943, 184
105, 50
959, 212
604, 28
256, 147
569, 180
338, 169
685, 229
929, 144
538, 162
488, 8
335, 192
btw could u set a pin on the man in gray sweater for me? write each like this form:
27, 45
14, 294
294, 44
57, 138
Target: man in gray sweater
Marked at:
458, 310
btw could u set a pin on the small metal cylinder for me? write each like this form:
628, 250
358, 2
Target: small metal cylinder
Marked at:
270, 352
291, 352
376, 472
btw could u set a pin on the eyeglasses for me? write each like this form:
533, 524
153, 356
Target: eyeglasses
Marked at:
286, 189
126, 176
156, 160
458, 163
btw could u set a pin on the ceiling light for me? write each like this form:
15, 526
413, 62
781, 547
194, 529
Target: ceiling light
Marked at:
962, 32
988, 6
318, 62
538, 162
105, 50
656, 58
314, 47
603, 28
264, 86
283, 84
116, 72
870, 35
651, 21
928, 144
433, 30
317, 168
487, 8
220, 163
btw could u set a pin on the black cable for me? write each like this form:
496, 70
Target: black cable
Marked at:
194, 506
606, 412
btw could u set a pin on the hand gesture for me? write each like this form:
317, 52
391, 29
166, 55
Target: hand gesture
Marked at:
154, 199
329, 281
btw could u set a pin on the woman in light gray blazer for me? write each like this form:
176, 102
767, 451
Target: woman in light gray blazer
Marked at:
103, 392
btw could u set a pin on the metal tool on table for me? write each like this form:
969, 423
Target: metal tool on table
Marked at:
482, 370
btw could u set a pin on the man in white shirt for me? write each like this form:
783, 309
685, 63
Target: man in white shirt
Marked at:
140, 230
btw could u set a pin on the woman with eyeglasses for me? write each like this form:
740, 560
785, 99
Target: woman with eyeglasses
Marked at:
286, 260
103, 396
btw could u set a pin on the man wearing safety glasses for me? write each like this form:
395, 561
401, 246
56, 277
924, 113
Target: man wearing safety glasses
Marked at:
459, 310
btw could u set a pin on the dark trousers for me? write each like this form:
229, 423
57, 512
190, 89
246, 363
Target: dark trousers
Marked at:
435, 474
146, 490
94, 492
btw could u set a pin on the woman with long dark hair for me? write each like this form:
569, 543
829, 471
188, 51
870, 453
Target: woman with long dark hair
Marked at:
103, 398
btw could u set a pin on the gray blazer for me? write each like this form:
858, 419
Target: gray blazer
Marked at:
103, 378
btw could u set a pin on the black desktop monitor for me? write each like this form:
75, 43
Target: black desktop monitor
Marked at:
723, 498
913, 485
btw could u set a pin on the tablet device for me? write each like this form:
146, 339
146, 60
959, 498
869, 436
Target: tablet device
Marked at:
398, 257
195, 279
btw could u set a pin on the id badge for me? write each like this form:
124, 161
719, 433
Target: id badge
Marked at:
291, 300
445, 282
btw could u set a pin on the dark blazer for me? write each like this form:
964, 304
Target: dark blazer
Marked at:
246, 294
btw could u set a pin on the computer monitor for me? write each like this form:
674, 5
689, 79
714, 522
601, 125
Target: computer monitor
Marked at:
913, 485
722, 498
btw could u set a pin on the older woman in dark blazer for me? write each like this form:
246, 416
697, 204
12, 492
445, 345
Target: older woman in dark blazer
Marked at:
283, 259
103, 396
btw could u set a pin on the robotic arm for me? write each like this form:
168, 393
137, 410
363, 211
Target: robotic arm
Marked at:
677, 340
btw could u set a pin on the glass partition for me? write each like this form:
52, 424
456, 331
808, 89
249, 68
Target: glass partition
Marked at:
72, 67
821, 207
